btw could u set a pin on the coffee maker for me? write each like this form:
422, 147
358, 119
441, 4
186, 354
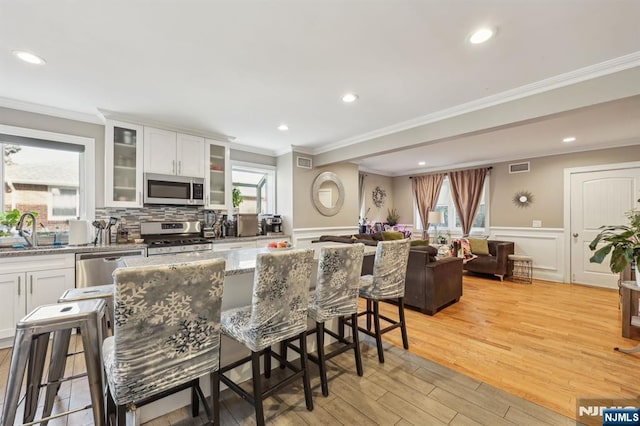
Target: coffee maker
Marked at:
276, 224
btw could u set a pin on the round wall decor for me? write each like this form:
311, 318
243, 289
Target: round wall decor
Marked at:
378, 196
523, 199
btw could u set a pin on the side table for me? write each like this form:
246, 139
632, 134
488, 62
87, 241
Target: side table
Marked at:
630, 321
522, 268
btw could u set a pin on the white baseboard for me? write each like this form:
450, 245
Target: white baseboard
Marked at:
544, 245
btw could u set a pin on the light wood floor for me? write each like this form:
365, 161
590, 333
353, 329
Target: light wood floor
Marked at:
546, 342
499, 356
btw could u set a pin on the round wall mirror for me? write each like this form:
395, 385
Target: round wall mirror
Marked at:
328, 193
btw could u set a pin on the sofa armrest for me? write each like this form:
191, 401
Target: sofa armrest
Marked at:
503, 250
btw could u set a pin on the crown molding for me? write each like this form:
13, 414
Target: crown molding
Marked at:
49, 110
375, 172
458, 166
590, 72
253, 149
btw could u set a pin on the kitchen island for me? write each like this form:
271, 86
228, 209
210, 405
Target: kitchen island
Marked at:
238, 286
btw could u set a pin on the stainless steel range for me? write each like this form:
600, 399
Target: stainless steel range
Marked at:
173, 237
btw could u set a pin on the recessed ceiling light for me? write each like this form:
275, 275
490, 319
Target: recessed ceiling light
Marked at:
569, 139
283, 127
422, 163
29, 57
481, 35
349, 97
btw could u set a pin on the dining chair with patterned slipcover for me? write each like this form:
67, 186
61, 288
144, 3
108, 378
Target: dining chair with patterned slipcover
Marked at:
166, 334
386, 282
278, 311
335, 296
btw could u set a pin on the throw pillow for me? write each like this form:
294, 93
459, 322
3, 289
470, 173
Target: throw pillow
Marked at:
417, 243
392, 235
479, 246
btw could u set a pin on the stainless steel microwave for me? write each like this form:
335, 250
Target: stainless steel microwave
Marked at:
169, 189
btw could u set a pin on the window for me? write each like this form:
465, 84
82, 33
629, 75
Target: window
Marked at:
64, 203
256, 183
446, 205
46, 173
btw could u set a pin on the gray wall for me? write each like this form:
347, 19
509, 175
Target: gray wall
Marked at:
29, 120
305, 214
545, 181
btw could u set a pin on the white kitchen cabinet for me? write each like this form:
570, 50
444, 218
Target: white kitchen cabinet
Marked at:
218, 176
160, 151
124, 147
12, 303
172, 153
189, 156
30, 281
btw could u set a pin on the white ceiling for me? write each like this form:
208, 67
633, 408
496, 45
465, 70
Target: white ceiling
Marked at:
242, 67
606, 125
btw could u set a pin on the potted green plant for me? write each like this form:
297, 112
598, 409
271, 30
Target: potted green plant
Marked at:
236, 197
392, 217
622, 241
9, 220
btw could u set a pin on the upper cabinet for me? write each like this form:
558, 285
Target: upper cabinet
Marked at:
189, 155
218, 180
172, 153
124, 145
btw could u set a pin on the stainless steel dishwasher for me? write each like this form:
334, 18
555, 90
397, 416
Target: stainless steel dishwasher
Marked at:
96, 268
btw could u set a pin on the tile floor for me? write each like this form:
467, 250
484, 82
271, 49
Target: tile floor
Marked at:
404, 390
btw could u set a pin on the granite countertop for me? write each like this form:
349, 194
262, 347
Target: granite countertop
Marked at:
66, 249
239, 261
256, 238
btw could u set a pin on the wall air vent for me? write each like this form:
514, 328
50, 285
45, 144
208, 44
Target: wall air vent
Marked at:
304, 162
524, 167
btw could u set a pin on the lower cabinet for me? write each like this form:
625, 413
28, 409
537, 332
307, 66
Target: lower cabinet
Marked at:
29, 282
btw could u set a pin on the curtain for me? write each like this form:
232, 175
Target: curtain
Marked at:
466, 189
426, 190
361, 193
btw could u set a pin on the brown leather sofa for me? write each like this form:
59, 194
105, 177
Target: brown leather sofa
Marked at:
431, 284
496, 263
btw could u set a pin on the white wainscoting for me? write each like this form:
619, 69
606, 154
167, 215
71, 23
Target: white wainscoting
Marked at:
302, 237
544, 245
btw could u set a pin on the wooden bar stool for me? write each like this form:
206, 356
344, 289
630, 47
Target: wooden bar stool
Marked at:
166, 334
387, 282
278, 312
30, 348
335, 296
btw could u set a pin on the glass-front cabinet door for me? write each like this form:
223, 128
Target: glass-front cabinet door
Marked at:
218, 180
123, 164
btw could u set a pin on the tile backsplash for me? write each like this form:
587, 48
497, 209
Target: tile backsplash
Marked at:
131, 217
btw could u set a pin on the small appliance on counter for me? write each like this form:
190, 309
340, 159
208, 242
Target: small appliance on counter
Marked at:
247, 224
208, 224
276, 224
270, 224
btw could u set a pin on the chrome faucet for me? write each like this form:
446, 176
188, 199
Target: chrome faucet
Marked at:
31, 237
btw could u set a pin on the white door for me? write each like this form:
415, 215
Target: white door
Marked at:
160, 151
598, 198
12, 288
46, 287
189, 156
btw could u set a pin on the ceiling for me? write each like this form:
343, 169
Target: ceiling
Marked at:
242, 67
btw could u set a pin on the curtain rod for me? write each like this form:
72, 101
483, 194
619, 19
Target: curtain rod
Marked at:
488, 168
